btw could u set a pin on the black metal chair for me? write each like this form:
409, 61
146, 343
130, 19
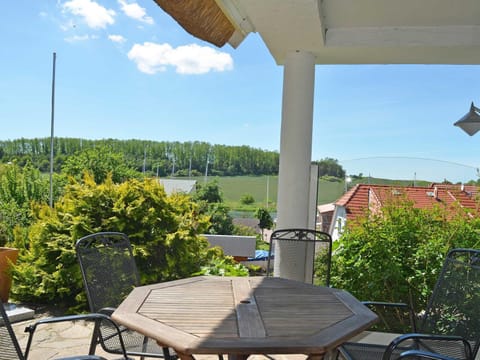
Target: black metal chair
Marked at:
322, 247
449, 327
109, 275
10, 348
419, 354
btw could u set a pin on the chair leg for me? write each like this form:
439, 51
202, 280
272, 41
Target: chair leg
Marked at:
166, 353
144, 347
95, 338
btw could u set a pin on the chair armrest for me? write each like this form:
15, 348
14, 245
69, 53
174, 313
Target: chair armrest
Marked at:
89, 317
32, 327
107, 310
398, 341
376, 305
420, 354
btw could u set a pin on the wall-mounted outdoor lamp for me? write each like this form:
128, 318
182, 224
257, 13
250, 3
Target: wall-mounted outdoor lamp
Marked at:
470, 122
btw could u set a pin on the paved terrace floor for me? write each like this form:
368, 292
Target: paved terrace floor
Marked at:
73, 338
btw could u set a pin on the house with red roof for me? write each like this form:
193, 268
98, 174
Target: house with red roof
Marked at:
364, 198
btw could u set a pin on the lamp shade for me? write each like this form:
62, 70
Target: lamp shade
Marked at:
470, 122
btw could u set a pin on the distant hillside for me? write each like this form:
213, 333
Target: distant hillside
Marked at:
239, 169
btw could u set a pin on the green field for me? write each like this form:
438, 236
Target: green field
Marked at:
264, 188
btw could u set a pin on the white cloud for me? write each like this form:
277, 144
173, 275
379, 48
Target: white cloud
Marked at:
189, 59
135, 11
77, 38
95, 15
117, 38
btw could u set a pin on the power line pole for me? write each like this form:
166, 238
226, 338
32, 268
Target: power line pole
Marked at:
144, 168
206, 165
51, 130
206, 168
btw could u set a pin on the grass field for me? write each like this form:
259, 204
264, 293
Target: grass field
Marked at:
264, 188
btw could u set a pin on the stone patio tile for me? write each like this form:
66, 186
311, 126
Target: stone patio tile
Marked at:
72, 338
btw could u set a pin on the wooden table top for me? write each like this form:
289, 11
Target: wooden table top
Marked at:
244, 315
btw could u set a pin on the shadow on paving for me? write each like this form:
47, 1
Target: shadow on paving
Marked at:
67, 339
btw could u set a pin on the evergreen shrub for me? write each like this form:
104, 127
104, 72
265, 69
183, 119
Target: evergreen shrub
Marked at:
164, 232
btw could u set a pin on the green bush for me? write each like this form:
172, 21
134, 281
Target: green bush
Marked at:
224, 266
100, 161
163, 231
331, 178
244, 230
19, 186
265, 220
396, 255
247, 199
209, 192
210, 200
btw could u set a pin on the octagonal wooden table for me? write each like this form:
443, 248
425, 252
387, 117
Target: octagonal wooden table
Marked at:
240, 316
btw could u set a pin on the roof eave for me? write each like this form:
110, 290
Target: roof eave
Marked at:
203, 19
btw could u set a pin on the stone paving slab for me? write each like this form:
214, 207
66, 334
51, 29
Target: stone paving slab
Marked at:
56, 340
52, 341
18, 313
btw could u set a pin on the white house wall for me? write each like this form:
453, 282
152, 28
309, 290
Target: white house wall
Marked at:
339, 220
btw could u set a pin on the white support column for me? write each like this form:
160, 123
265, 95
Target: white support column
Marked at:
295, 159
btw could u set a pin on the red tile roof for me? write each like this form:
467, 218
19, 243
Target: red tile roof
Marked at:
363, 197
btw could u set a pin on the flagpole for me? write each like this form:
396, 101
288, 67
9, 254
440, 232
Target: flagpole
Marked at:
51, 129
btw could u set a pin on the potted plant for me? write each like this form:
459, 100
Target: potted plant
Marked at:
8, 257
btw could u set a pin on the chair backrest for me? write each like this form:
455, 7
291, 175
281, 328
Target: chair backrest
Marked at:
454, 307
108, 268
321, 243
9, 347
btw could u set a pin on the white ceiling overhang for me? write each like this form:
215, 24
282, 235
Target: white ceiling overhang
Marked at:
362, 31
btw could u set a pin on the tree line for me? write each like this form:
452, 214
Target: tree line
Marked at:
160, 158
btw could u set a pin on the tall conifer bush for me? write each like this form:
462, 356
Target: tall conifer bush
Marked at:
163, 231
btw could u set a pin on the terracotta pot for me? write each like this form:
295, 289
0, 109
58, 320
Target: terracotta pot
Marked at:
8, 256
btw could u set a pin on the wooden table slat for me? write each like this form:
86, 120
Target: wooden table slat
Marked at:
249, 319
252, 315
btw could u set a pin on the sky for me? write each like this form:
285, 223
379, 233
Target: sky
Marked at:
126, 70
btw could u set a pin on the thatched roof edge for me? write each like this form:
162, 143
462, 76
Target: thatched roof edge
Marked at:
201, 18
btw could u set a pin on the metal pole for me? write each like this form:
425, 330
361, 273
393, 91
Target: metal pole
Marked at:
206, 169
190, 162
51, 129
206, 165
144, 159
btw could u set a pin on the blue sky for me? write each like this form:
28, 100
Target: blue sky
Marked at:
126, 70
